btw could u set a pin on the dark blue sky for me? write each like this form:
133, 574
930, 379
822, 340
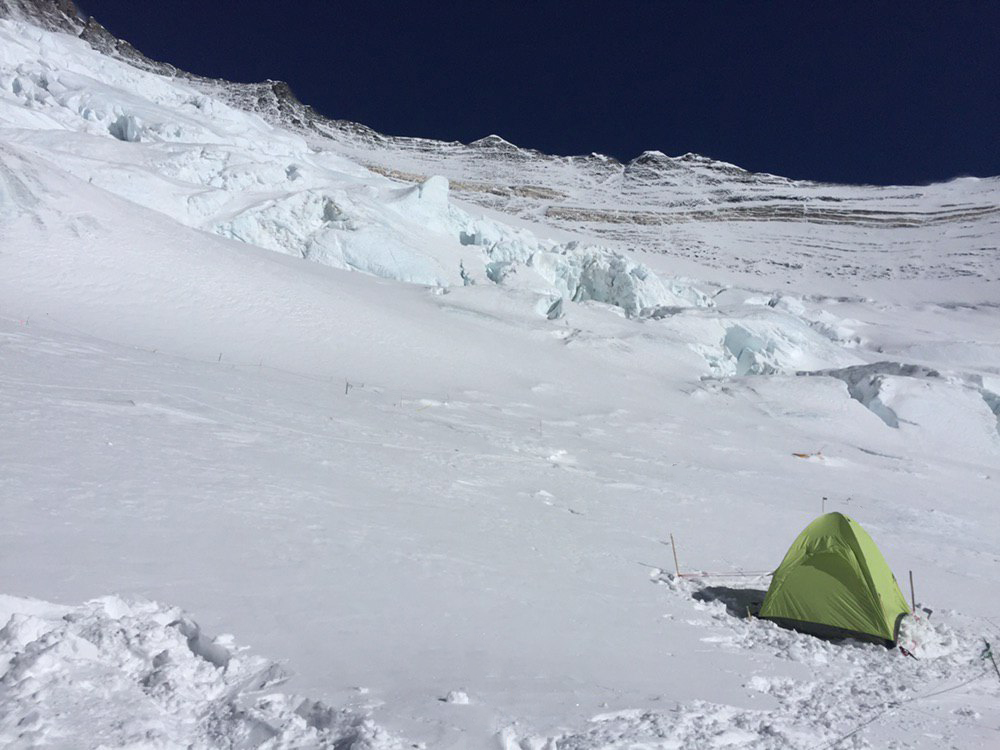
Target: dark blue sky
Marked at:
904, 92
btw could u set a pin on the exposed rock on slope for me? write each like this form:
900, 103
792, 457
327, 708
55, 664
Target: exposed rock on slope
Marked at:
55, 15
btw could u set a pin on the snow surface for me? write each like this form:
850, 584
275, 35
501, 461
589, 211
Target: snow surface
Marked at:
440, 493
113, 673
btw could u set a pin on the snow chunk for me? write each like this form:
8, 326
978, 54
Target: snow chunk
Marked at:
763, 344
116, 673
125, 128
582, 273
840, 330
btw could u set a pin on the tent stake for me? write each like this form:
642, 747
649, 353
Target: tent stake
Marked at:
988, 654
673, 546
913, 599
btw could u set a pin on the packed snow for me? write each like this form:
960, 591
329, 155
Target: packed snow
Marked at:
420, 424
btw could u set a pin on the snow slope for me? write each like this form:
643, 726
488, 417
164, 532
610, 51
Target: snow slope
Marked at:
704, 216
440, 491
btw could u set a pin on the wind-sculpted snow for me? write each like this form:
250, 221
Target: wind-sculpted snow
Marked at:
116, 673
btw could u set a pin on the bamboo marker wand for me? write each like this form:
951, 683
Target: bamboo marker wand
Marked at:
673, 546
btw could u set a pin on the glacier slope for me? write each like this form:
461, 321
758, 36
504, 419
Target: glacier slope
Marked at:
480, 511
415, 491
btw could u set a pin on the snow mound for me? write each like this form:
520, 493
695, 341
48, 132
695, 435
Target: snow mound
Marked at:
117, 673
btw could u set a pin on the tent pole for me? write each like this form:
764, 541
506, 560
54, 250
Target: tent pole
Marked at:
673, 546
913, 599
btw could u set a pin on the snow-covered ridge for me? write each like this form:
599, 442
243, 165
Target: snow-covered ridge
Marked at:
160, 142
655, 204
719, 216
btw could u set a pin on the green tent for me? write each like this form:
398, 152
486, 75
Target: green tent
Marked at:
835, 582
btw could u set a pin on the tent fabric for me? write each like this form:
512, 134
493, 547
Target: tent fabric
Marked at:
835, 582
